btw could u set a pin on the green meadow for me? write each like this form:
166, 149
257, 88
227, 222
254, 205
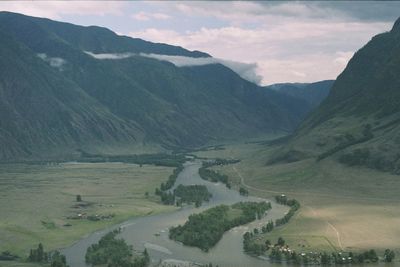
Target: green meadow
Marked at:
39, 201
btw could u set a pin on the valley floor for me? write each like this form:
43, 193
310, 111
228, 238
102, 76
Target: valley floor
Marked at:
343, 208
38, 202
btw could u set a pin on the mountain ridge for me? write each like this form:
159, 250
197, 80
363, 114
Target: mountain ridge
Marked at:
357, 123
135, 101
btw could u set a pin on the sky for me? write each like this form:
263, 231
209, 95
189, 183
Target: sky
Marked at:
278, 41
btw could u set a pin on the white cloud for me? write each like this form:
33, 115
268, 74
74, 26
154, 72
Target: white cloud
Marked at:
256, 11
55, 62
343, 57
313, 48
245, 70
55, 9
111, 55
146, 16
283, 38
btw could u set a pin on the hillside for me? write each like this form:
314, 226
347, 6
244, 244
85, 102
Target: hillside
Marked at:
57, 98
312, 93
359, 122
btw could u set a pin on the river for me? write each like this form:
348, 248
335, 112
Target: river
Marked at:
151, 232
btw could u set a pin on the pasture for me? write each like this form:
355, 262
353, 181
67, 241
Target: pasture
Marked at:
38, 202
343, 208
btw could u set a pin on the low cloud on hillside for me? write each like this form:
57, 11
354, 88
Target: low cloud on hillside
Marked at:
247, 71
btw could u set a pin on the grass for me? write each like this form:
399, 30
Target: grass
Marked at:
19, 264
347, 208
38, 199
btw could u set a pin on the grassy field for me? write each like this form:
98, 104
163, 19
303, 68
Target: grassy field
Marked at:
343, 208
36, 200
19, 264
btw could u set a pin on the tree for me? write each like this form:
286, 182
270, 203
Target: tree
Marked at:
325, 259
58, 260
281, 242
146, 257
372, 256
243, 191
389, 255
78, 198
40, 253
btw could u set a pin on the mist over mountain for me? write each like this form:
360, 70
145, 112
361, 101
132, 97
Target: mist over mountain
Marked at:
57, 97
359, 122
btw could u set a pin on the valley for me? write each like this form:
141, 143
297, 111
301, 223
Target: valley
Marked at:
121, 152
342, 207
334, 216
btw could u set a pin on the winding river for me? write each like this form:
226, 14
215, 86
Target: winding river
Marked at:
151, 232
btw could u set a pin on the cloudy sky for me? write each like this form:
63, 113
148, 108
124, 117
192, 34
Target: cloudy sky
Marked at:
279, 41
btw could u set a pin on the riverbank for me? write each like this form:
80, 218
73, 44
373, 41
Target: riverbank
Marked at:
151, 232
43, 205
343, 208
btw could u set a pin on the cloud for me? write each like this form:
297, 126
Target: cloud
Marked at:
256, 11
295, 46
343, 57
111, 55
56, 9
55, 62
146, 16
293, 37
247, 71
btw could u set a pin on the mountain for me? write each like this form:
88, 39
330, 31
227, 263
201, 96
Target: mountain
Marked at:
312, 93
359, 122
60, 93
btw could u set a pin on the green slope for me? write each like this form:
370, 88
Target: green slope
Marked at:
40, 109
138, 99
359, 122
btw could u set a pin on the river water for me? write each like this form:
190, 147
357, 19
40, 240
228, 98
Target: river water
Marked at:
151, 232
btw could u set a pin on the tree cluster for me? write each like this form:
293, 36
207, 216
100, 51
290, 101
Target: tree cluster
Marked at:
56, 259
292, 203
115, 252
160, 159
243, 191
219, 162
166, 197
213, 176
205, 229
192, 194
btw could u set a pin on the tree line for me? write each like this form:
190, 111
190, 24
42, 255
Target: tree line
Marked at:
114, 252
168, 198
282, 254
191, 194
213, 176
54, 258
292, 203
205, 229
158, 159
254, 248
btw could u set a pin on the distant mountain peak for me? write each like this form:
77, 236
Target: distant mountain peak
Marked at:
396, 26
